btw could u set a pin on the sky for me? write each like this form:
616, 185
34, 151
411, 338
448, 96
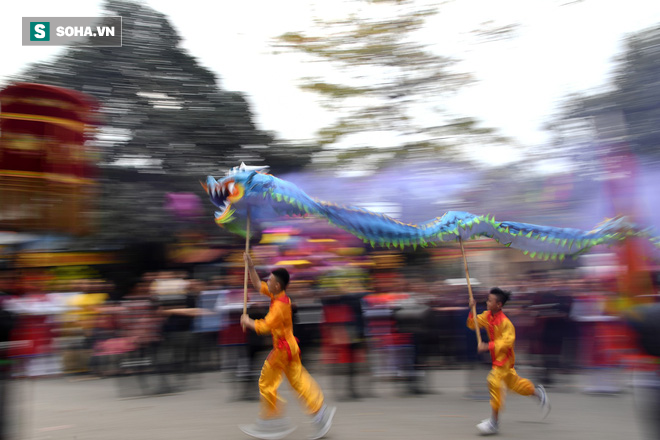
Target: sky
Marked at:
559, 47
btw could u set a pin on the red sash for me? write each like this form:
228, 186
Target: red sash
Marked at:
282, 343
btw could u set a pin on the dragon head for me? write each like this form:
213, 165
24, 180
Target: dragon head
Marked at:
229, 191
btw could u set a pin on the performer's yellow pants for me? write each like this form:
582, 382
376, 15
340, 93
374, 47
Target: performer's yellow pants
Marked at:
500, 376
301, 381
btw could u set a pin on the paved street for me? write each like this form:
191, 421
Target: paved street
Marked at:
70, 408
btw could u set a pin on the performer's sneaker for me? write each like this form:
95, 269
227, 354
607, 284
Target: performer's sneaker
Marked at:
543, 401
322, 422
269, 429
488, 427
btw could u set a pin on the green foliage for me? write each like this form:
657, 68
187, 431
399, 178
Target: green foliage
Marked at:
387, 78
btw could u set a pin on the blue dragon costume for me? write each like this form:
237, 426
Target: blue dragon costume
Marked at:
266, 196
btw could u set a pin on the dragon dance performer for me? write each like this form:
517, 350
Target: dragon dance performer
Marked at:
502, 336
283, 359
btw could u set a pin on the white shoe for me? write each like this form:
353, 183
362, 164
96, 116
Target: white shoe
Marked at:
322, 422
488, 427
271, 429
543, 401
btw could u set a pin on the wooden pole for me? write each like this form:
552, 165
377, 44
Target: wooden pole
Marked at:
474, 308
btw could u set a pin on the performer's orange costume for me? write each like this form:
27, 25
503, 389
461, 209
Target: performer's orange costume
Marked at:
284, 358
502, 336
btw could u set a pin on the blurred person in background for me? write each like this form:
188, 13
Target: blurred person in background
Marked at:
177, 301
136, 348
448, 332
599, 334
283, 359
502, 336
344, 329
212, 299
105, 330
645, 322
552, 307
7, 320
413, 318
35, 324
85, 311
386, 346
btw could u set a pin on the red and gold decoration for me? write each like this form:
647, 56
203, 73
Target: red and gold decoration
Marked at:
47, 167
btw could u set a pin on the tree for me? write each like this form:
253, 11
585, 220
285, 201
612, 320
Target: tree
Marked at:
628, 111
161, 112
384, 83
157, 102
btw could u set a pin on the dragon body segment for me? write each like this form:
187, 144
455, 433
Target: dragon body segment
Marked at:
267, 196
